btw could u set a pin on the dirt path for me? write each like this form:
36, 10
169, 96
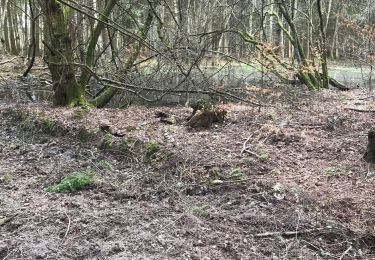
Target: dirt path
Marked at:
301, 173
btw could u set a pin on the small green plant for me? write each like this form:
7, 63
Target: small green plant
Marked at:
201, 210
74, 182
47, 125
151, 148
331, 170
125, 145
103, 164
107, 141
264, 157
236, 174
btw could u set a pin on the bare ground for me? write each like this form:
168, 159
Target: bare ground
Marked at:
285, 182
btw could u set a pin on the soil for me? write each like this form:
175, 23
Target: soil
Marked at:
286, 181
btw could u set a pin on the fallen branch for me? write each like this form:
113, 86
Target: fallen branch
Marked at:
360, 110
287, 233
5, 220
7, 61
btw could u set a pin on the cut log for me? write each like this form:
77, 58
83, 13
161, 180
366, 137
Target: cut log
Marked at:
336, 84
201, 119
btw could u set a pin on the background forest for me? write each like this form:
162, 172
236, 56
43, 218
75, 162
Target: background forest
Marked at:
156, 50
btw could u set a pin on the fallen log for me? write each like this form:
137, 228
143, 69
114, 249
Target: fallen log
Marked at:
336, 84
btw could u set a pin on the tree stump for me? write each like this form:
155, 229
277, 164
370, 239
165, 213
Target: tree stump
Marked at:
369, 155
205, 113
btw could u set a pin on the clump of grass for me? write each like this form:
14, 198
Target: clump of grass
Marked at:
47, 124
107, 141
236, 174
151, 148
80, 113
125, 145
74, 182
104, 165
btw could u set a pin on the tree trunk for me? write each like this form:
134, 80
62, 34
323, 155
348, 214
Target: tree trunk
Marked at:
11, 31
90, 54
60, 55
323, 44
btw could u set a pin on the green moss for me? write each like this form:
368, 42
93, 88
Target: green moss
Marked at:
66, 11
74, 182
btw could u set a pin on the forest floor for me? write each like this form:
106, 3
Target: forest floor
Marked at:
286, 181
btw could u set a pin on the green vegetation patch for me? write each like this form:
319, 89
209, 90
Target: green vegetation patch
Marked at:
152, 147
337, 170
107, 141
74, 182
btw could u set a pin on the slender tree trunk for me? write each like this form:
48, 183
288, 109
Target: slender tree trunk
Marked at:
323, 41
90, 54
37, 28
6, 33
11, 30
333, 47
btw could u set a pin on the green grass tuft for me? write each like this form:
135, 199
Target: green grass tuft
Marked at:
74, 182
152, 147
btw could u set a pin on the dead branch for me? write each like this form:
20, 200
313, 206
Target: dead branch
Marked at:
287, 233
7, 61
360, 110
5, 220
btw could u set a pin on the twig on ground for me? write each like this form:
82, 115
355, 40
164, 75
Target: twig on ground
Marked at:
346, 252
360, 110
68, 228
245, 148
250, 152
